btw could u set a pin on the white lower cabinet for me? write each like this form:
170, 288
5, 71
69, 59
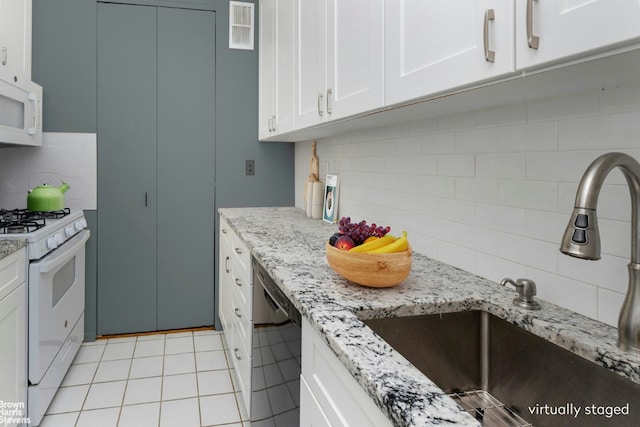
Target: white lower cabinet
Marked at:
235, 307
329, 396
13, 339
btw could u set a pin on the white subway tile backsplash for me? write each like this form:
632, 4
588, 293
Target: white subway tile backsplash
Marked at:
527, 251
601, 132
457, 256
457, 165
572, 294
63, 157
495, 268
497, 116
570, 106
615, 238
528, 137
501, 218
610, 272
619, 99
477, 189
438, 186
491, 191
529, 194
609, 304
501, 165
439, 143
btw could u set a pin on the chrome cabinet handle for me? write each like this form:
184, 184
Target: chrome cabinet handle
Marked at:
329, 93
320, 112
532, 39
224, 231
238, 251
226, 265
32, 130
236, 352
237, 312
489, 55
3, 52
238, 282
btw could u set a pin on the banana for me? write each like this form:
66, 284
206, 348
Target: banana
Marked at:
399, 245
374, 244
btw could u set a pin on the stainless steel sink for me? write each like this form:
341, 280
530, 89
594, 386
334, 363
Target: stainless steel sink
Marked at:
506, 376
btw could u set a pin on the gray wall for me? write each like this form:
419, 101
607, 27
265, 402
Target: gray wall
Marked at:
64, 63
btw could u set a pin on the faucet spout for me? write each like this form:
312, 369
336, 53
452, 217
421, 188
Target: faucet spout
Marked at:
582, 237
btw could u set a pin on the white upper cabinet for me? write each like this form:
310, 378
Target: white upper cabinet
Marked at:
15, 39
339, 57
439, 45
276, 67
553, 30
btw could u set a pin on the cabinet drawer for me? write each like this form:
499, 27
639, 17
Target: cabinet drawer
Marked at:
241, 360
242, 284
12, 272
242, 255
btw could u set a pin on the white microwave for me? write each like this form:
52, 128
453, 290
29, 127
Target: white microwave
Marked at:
20, 112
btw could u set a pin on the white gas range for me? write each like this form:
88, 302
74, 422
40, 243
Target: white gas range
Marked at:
56, 286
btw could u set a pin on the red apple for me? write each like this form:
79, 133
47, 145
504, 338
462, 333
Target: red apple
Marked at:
344, 243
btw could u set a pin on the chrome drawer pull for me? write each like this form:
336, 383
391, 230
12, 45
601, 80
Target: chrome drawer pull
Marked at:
238, 251
532, 40
489, 55
238, 282
237, 311
226, 265
236, 353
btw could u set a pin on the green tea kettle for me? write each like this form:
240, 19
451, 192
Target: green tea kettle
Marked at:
46, 198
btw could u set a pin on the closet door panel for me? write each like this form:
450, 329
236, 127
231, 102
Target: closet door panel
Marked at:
186, 65
126, 56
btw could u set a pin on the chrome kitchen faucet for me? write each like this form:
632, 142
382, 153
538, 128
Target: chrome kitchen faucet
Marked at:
582, 239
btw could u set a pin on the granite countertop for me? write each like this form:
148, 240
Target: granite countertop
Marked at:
9, 246
292, 249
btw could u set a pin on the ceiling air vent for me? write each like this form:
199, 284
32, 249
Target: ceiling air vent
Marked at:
240, 25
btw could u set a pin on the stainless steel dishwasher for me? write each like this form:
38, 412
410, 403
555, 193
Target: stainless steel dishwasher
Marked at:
275, 379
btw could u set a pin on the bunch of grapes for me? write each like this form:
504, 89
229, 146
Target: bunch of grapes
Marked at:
361, 231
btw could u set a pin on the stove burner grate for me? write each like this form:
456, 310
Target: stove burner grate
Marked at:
20, 226
18, 221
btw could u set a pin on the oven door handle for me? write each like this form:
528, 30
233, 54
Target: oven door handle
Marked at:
66, 252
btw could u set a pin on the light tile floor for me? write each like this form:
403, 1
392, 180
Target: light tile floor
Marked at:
161, 380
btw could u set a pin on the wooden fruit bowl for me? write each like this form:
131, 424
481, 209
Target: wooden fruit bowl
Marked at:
373, 270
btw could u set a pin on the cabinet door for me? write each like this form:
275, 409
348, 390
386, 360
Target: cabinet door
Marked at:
13, 357
310, 62
565, 28
355, 57
15, 38
311, 414
185, 172
284, 66
267, 68
127, 129
439, 45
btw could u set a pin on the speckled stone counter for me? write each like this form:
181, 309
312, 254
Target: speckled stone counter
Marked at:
8, 246
291, 247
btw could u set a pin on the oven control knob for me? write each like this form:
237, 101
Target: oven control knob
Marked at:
52, 243
69, 231
59, 238
80, 224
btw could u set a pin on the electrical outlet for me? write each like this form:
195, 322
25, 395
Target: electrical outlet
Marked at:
250, 167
